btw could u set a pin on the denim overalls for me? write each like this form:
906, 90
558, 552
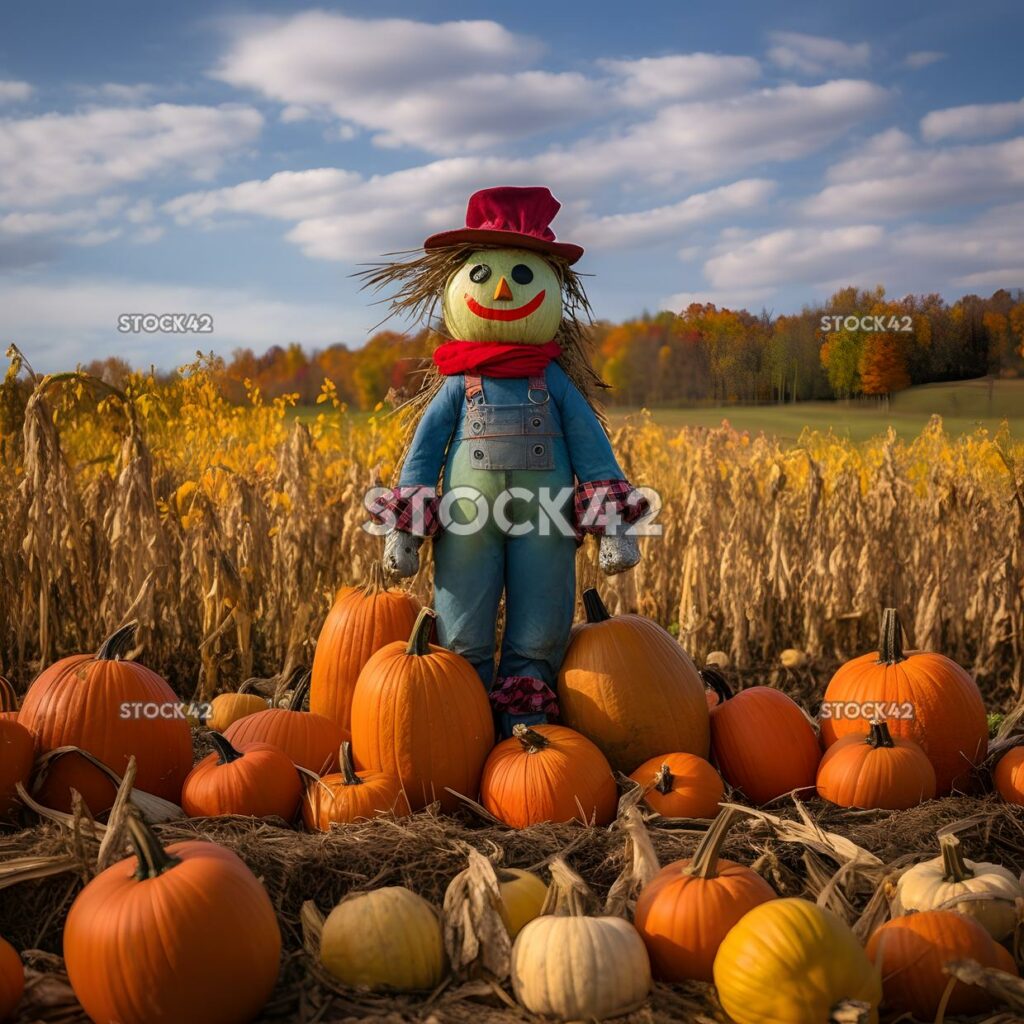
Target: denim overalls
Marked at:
493, 434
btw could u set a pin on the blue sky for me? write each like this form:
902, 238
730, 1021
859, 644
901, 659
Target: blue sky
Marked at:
241, 159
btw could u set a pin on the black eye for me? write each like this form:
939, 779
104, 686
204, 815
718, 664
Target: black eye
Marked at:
522, 274
480, 273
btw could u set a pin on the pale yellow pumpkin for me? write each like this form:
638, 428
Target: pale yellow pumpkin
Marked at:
227, 708
790, 961
522, 897
387, 938
951, 882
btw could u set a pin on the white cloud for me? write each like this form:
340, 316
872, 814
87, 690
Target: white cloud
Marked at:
741, 298
974, 121
625, 230
14, 92
651, 80
891, 176
923, 59
49, 158
120, 92
816, 55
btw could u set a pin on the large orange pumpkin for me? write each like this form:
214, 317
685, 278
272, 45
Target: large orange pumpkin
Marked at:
182, 934
926, 697
351, 796
309, 739
876, 771
628, 686
12, 979
761, 741
1009, 776
257, 782
362, 620
688, 908
548, 773
16, 759
912, 950
421, 713
680, 786
113, 709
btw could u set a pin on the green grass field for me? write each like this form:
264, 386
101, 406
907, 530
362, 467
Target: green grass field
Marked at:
963, 406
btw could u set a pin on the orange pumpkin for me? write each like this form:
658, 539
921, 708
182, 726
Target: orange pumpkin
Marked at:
876, 771
548, 773
628, 686
421, 713
12, 979
309, 739
911, 952
936, 703
227, 708
351, 796
188, 935
8, 699
1009, 776
16, 759
362, 621
688, 908
113, 709
680, 786
257, 782
761, 741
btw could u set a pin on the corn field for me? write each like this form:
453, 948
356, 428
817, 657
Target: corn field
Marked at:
226, 529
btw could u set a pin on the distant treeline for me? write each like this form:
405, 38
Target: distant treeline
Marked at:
857, 343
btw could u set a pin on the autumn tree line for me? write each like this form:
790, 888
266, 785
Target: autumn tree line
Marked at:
858, 343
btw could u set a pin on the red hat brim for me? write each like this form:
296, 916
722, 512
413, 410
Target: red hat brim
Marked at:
506, 239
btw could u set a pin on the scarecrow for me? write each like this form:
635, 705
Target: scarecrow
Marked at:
506, 429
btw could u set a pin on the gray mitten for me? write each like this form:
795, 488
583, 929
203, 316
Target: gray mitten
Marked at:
401, 554
618, 553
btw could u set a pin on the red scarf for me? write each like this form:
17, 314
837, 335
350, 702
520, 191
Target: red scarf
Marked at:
495, 358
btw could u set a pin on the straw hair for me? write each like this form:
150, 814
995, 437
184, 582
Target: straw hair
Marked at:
414, 285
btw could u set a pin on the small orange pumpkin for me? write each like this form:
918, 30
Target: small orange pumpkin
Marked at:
420, 712
688, 908
351, 796
113, 709
680, 786
16, 760
876, 771
12, 979
228, 708
258, 782
912, 950
362, 620
309, 739
761, 741
940, 704
548, 773
629, 687
204, 941
1009, 776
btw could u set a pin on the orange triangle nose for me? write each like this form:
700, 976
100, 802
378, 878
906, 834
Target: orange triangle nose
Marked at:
503, 293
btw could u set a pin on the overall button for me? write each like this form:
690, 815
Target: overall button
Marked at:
535, 421
478, 454
477, 426
538, 449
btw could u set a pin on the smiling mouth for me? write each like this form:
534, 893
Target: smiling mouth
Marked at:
489, 313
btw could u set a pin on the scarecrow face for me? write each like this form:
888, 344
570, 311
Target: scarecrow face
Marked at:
507, 295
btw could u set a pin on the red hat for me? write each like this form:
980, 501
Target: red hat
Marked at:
510, 216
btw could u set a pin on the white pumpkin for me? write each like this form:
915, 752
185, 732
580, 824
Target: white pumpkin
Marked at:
987, 892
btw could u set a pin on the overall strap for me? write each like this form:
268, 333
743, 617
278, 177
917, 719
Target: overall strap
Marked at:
474, 388
537, 389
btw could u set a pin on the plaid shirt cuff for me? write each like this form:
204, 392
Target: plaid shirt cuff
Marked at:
524, 695
409, 509
602, 505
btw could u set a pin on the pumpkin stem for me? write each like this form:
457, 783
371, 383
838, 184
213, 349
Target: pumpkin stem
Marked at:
419, 639
879, 735
890, 643
347, 768
154, 860
531, 740
376, 581
594, 606
8, 698
226, 753
119, 643
664, 780
704, 863
301, 692
714, 680
954, 867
